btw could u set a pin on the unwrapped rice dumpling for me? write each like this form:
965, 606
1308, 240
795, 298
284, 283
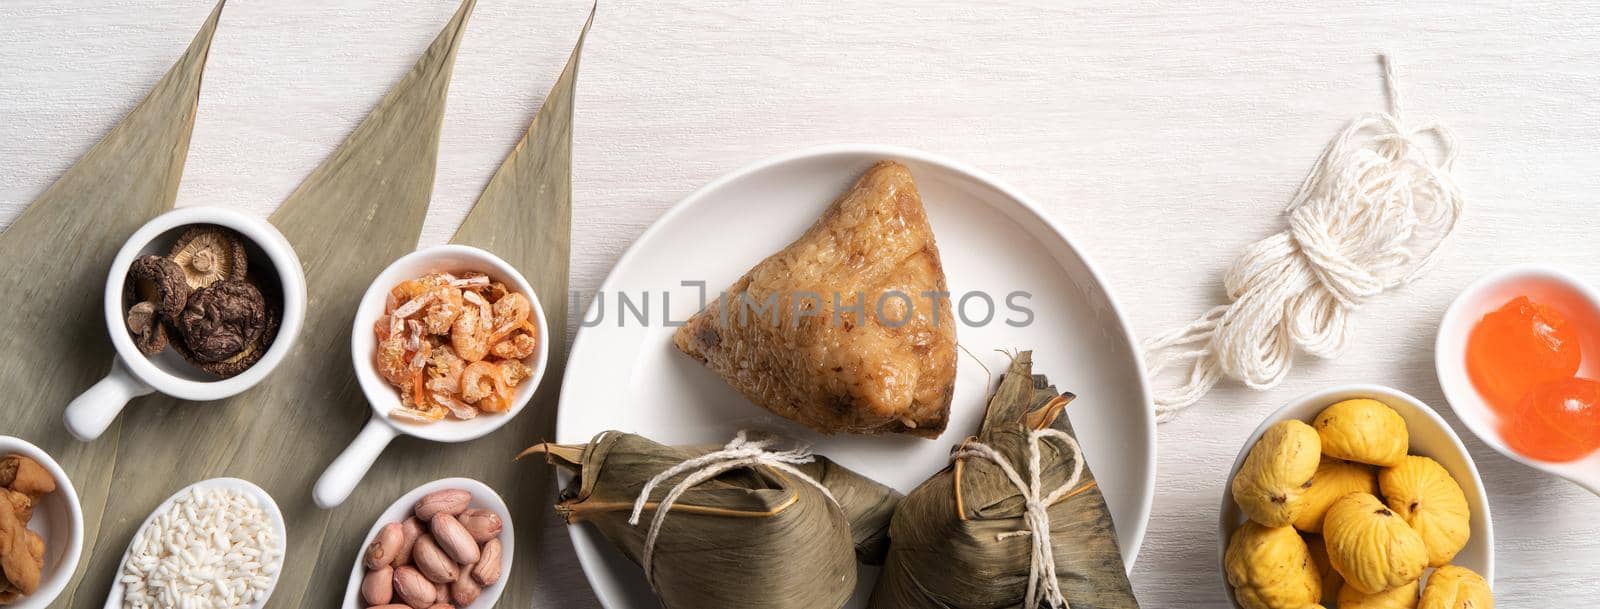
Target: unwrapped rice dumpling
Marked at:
966, 538
848, 329
751, 537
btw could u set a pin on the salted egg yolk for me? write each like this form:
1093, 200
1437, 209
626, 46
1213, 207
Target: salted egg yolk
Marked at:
1557, 421
1518, 347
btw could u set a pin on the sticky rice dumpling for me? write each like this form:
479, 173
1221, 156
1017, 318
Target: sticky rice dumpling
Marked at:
848, 329
751, 537
965, 537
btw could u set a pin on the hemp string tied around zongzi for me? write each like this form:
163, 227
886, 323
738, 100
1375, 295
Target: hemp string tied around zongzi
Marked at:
1042, 567
741, 452
1369, 217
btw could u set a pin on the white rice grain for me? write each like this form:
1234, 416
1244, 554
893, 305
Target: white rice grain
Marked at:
211, 548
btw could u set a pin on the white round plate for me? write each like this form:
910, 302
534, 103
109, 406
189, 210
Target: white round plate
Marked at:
626, 375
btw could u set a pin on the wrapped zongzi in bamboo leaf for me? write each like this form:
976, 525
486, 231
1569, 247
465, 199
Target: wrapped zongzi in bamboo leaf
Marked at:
745, 526
1000, 528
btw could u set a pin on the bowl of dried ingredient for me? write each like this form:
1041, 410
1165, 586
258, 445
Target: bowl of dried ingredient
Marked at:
42, 522
1371, 441
201, 303
215, 543
448, 542
448, 345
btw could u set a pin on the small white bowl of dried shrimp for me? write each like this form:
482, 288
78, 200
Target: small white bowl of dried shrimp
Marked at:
448, 345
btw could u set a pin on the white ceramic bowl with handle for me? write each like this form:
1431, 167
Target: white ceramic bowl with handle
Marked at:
1576, 300
1430, 437
134, 374
483, 497
341, 477
58, 519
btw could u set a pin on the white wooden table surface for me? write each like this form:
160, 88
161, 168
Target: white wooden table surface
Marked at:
1165, 136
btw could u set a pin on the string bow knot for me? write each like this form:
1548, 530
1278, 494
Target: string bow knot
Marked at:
1036, 514
741, 452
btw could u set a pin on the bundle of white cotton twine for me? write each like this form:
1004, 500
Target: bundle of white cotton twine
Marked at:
741, 452
1371, 216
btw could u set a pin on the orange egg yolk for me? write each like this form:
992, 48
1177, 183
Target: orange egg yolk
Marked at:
1557, 421
1518, 347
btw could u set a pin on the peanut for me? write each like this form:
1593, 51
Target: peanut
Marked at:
452, 501
464, 590
385, 546
413, 588
434, 564
454, 539
482, 524
378, 586
410, 530
487, 571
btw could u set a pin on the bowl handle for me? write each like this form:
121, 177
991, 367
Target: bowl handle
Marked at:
346, 472
92, 412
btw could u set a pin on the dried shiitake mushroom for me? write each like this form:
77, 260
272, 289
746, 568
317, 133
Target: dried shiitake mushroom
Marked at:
149, 333
242, 361
208, 254
159, 290
1365, 431
252, 353
1276, 473
222, 320
1426, 497
161, 283
1453, 587
1399, 597
1371, 546
1334, 479
1270, 568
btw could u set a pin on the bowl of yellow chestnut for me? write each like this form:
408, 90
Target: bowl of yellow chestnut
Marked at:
1356, 497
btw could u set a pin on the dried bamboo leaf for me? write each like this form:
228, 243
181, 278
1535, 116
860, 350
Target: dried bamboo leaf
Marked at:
359, 210
60, 249
868, 507
525, 212
524, 216
945, 549
748, 538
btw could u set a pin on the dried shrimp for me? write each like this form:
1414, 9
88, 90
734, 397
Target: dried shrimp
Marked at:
454, 346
